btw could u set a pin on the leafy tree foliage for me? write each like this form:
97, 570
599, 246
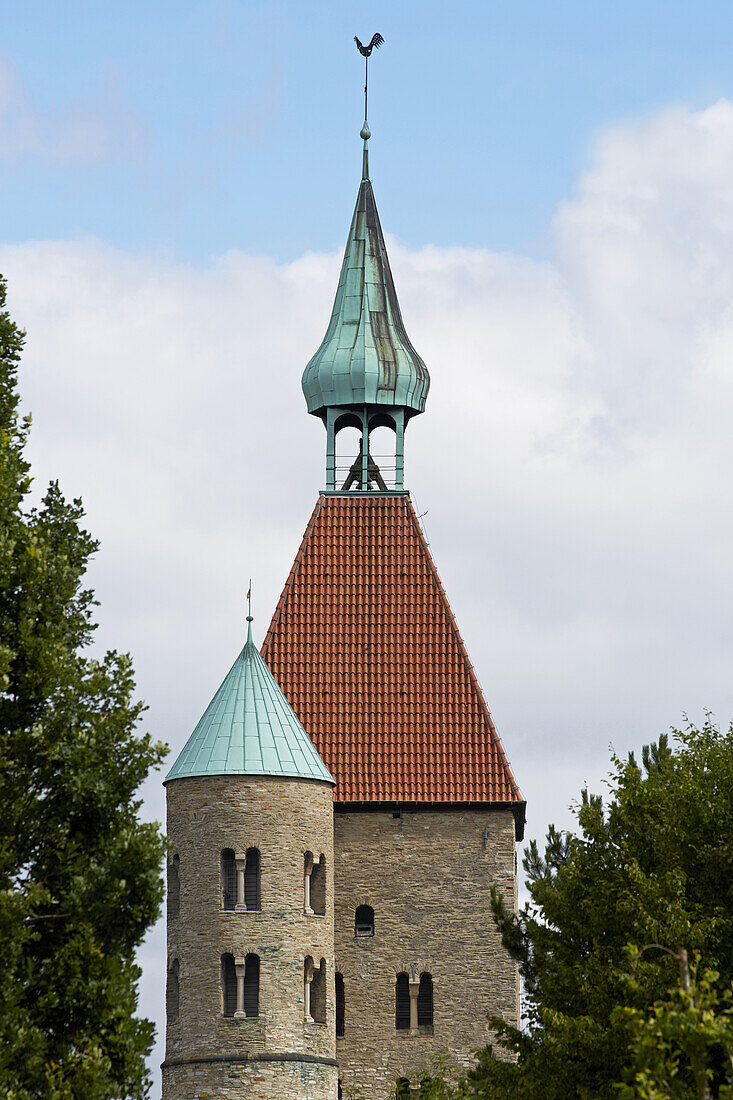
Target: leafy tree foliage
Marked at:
653, 865
691, 1029
79, 873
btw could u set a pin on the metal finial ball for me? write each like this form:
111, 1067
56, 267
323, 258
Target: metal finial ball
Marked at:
365, 132
250, 619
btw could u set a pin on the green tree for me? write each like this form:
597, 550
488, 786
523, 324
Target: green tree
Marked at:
691, 1029
654, 864
79, 873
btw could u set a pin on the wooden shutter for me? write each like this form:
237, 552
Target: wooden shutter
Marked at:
425, 1001
252, 985
340, 1005
228, 879
228, 985
402, 1003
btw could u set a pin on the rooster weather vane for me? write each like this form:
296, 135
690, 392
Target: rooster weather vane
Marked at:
366, 52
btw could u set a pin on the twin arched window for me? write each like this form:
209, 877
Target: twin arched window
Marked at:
240, 880
240, 986
314, 990
414, 1004
314, 884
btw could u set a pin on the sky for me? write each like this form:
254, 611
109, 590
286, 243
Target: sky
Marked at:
556, 185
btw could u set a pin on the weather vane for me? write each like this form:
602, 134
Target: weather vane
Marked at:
366, 52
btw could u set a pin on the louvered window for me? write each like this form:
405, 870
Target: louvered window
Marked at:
425, 1003
318, 887
340, 1006
402, 1003
252, 985
228, 985
228, 879
172, 991
174, 887
364, 921
252, 879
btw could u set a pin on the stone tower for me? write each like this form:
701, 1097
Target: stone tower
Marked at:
250, 985
427, 810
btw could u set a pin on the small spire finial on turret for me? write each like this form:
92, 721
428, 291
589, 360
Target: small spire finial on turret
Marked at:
249, 611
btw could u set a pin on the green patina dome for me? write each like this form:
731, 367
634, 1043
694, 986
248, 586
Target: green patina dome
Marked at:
366, 357
249, 728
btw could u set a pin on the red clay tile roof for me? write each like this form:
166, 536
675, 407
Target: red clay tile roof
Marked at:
364, 644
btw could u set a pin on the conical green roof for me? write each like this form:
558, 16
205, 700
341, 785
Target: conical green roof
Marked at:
366, 357
249, 728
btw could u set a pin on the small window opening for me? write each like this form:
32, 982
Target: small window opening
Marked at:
172, 991
252, 879
425, 1004
228, 879
402, 1003
318, 994
318, 887
402, 1089
426, 1086
174, 887
364, 921
340, 1006
252, 985
228, 985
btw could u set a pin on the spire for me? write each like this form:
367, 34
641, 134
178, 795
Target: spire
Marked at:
249, 728
366, 373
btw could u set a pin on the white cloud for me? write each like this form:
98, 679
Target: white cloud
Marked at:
575, 461
93, 129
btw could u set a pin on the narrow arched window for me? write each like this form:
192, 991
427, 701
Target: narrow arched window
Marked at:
228, 986
252, 879
174, 886
252, 985
228, 879
402, 1089
425, 1004
340, 1006
318, 994
364, 921
172, 991
318, 887
402, 1003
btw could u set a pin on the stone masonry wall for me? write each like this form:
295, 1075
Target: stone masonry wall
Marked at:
207, 1054
427, 877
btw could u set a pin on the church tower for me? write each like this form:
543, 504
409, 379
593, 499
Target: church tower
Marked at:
250, 999
365, 646
344, 806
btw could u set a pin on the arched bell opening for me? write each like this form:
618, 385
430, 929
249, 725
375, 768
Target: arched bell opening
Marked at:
348, 434
383, 451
